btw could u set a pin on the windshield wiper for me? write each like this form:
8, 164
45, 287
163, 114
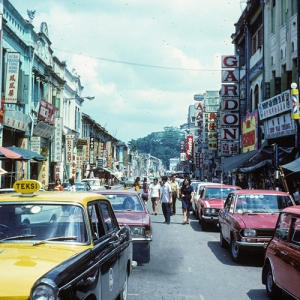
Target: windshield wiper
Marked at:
18, 237
59, 238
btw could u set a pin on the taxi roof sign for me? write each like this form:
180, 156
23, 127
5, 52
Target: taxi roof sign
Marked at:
27, 186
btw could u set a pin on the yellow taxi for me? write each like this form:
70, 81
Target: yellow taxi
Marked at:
56, 246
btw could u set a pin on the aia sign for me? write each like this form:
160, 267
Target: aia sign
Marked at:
189, 146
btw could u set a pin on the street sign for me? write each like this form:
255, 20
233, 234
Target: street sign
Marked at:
100, 163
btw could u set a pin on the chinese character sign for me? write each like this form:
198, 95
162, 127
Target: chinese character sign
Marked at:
69, 149
12, 78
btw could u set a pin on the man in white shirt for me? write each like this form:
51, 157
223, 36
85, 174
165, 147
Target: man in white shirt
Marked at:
175, 193
72, 187
154, 195
166, 199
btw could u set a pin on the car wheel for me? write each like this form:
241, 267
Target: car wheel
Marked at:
204, 225
236, 251
124, 292
272, 289
223, 242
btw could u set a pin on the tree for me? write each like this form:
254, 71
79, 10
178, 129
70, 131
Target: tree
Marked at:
163, 145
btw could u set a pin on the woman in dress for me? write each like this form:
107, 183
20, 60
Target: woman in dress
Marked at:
58, 186
187, 192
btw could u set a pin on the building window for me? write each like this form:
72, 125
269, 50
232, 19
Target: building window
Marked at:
273, 17
256, 97
283, 12
294, 7
257, 39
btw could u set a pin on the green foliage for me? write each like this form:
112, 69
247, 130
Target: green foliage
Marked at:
163, 145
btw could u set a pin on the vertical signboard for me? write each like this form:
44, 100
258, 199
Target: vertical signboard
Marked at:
57, 141
229, 119
92, 152
189, 146
250, 131
69, 149
12, 77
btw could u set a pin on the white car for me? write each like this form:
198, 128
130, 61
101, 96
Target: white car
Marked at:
94, 183
197, 192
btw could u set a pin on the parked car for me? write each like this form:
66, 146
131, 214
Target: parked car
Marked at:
129, 181
80, 186
248, 219
197, 191
83, 253
281, 270
211, 200
94, 183
136, 216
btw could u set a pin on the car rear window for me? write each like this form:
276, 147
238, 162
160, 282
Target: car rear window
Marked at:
125, 202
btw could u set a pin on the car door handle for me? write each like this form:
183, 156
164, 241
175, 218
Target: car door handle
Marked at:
283, 253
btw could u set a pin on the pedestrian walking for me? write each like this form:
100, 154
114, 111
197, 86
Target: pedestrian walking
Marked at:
175, 193
166, 199
154, 191
136, 185
187, 192
145, 190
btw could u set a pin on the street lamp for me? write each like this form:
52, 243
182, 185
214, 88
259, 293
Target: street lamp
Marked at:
88, 97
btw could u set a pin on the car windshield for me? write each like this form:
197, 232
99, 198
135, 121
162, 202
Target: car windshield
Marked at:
217, 193
125, 202
41, 222
93, 182
261, 203
80, 186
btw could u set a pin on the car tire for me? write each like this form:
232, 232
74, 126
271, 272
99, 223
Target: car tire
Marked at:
236, 251
124, 292
272, 289
223, 242
204, 225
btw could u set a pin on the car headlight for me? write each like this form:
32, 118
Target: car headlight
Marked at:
138, 231
207, 210
213, 211
46, 290
249, 232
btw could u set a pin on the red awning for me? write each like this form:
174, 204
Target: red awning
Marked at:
9, 154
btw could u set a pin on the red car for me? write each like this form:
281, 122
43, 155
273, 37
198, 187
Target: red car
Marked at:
281, 270
211, 200
130, 210
248, 219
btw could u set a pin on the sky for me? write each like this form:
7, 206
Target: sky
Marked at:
142, 60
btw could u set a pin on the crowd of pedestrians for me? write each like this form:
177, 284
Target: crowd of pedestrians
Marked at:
166, 192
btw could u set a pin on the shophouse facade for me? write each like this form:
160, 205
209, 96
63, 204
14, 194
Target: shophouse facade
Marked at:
42, 110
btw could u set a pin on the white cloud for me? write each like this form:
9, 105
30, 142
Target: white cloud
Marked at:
133, 99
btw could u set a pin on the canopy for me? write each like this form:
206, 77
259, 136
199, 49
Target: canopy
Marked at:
4, 152
19, 154
256, 159
233, 162
293, 166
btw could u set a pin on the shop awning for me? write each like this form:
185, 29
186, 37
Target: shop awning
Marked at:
233, 162
109, 170
293, 166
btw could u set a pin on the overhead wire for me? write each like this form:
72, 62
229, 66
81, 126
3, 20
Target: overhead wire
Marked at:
137, 64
